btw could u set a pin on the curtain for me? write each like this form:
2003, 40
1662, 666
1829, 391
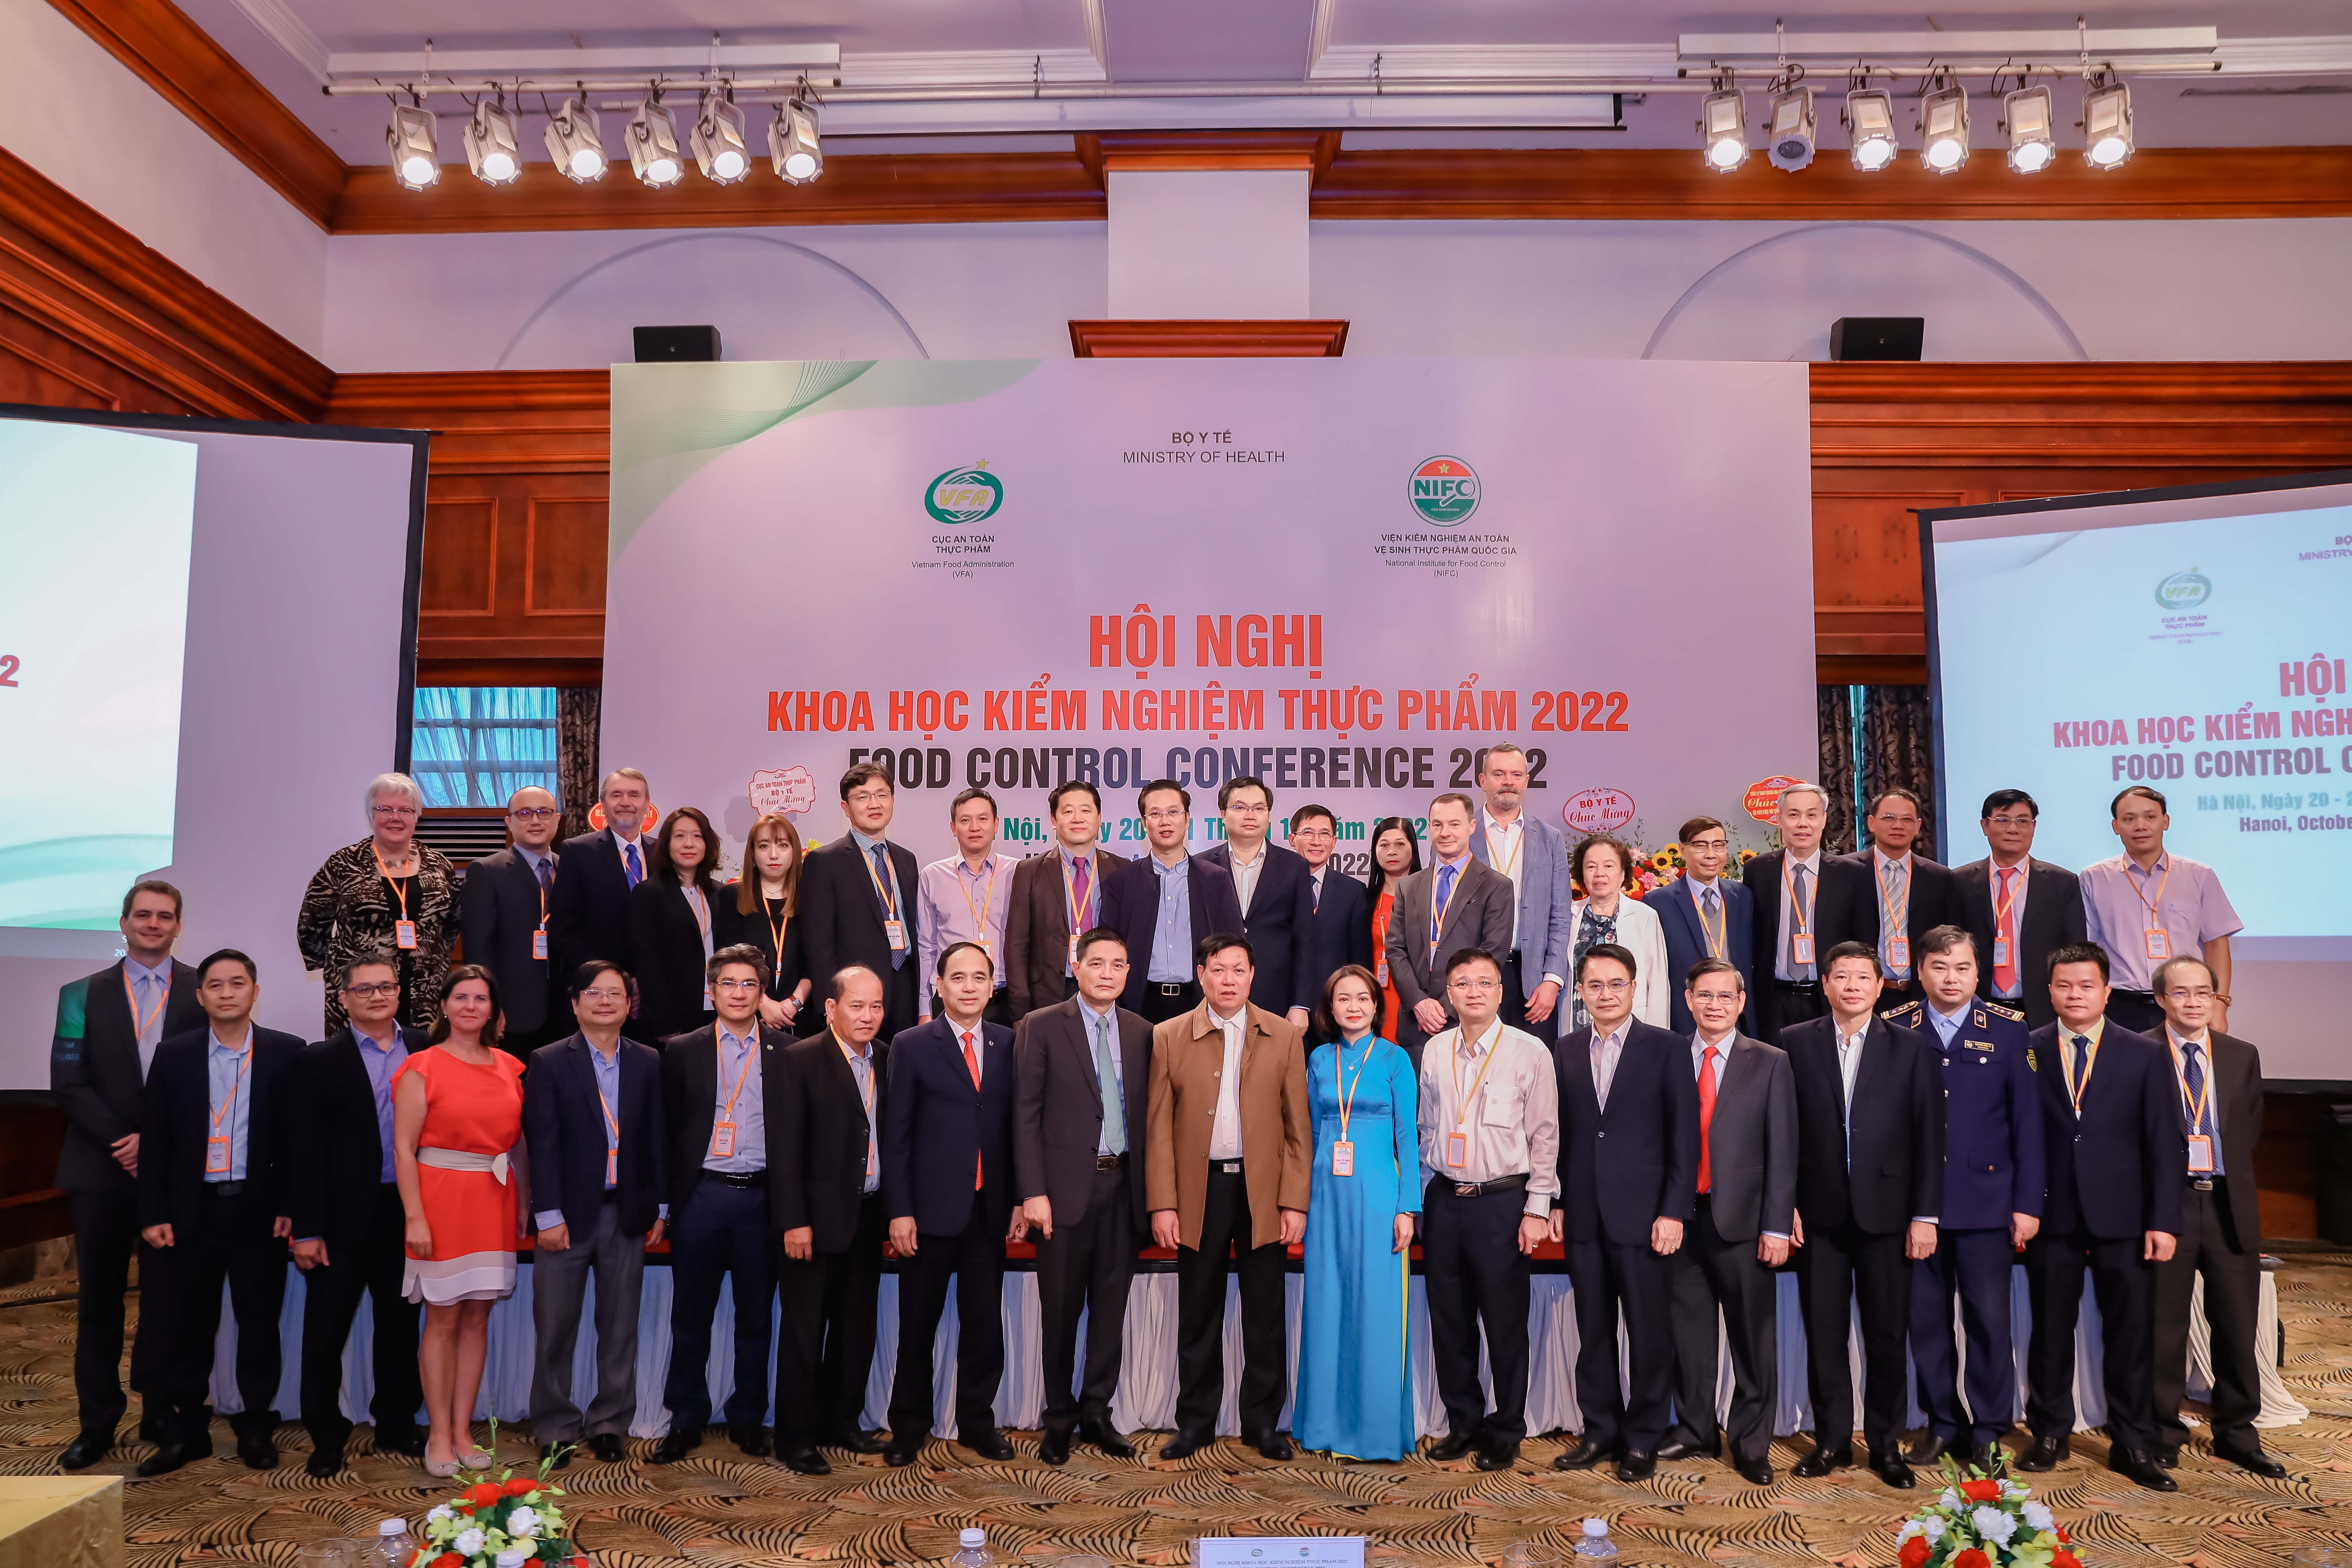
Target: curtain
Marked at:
1836, 709
476, 745
1898, 751
579, 716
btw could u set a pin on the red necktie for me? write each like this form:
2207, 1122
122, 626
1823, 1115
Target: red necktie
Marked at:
2004, 975
972, 1065
1706, 1110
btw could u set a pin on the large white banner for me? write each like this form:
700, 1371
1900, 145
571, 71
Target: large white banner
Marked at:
1345, 577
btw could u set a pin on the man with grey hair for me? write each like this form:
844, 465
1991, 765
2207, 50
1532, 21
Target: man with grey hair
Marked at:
588, 909
1806, 903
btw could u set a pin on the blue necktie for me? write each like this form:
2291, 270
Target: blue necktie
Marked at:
1437, 909
882, 872
2192, 1072
635, 867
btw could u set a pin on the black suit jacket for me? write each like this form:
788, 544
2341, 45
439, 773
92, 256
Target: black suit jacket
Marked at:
1278, 923
1037, 928
564, 1133
1897, 1155
2053, 918
334, 1147
94, 1071
498, 913
1131, 908
689, 1076
1638, 1160
935, 1123
177, 1124
1057, 1113
1935, 901
816, 1150
2236, 1070
2117, 1168
1339, 931
588, 912
841, 918
1842, 903
668, 942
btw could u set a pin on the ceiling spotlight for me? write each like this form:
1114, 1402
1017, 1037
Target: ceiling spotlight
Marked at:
1944, 130
491, 150
653, 144
1870, 129
575, 143
1723, 130
1791, 118
793, 143
719, 149
2107, 126
415, 162
2026, 113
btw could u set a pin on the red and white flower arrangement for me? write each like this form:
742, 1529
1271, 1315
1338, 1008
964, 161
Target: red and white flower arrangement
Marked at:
1984, 1520
499, 1521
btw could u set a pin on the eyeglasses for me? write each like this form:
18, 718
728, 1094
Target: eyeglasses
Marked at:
534, 813
2188, 994
869, 796
1488, 984
1176, 814
602, 993
369, 992
738, 984
2009, 821
1606, 987
1318, 835
1725, 998
394, 810
1692, 843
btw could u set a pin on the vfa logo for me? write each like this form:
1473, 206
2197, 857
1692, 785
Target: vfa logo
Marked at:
1444, 490
2184, 590
964, 495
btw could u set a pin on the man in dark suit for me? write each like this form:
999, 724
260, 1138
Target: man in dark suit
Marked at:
503, 917
349, 1231
1870, 1187
210, 1203
109, 1024
1163, 903
1994, 1158
1277, 899
1083, 1076
722, 1086
1910, 895
824, 1191
2018, 910
588, 906
1340, 931
1453, 903
1740, 1224
1805, 903
2219, 1083
949, 1115
1055, 899
2115, 1155
1629, 1147
857, 902
593, 1125
1705, 916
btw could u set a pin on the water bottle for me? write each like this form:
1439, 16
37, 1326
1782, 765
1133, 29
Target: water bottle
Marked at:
394, 1547
1596, 1544
971, 1550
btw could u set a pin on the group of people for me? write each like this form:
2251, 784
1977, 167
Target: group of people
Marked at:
1891, 1075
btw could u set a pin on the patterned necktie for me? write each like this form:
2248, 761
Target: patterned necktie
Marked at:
1888, 931
2004, 975
1106, 1072
1706, 1092
882, 876
635, 867
972, 1065
546, 875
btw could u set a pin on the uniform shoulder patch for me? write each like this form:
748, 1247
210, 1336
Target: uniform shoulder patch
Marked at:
2031, 1065
2015, 1015
1908, 1011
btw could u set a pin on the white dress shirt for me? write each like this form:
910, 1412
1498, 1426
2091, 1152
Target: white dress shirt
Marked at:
1225, 1130
1606, 1049
1513, 1124
1506, 853
1245, 871
1782, 968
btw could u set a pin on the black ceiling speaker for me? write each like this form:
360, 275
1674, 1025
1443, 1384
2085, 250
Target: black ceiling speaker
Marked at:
657, 345
1851, 337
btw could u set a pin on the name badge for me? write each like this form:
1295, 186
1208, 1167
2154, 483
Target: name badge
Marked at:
1343, 1158
988, 945
1458, 1150
612, 1167
1381, 970
1800, 948
538, 944
404, 935
1898, 952
896, 932
2159, 946
216, 1156
2201, 1155
1074, 952
722, 1140
2001, 952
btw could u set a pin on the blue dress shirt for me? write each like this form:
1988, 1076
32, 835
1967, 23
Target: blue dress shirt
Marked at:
230, 1069
739, 1058
1172, 928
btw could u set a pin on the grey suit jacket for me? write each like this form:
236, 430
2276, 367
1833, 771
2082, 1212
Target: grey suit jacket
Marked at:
1751, 1143
1545, 897
1479, 916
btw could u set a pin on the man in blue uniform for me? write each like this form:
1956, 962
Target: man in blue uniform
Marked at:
1993, 1155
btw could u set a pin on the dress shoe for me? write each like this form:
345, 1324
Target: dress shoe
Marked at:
1754, 1472
2139, 1465
677, 1443
324, 1464
2167, 1455
1889, 1468
92, 1444
1273, 1445
606, 1446
1185, 1445
1054, 1447
409, 1442
1582, 1457
1453, 1446
556, 1455
257, 1448
803, 1459
898, 1455
1680, 1450
753, 1439
1824, 1458
1105, 1438
2044, 1453
989, 1444
151, 1428
1636, 1466
854, 1440
172, 1455
1930, 1448
1992, 1459
1497, 1455
2252, 1460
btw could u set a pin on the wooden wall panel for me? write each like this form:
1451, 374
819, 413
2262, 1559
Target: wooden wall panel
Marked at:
565, 571
461, 568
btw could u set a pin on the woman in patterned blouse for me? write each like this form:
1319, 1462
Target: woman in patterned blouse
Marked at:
387, 894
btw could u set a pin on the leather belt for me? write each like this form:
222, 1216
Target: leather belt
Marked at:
225, 1189
1499, 1184
2202, 1184
1167, 988
745, 1179
1110, 1162
1227, 1167
1799, 987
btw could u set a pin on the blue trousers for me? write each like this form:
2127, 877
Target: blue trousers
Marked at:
720, 1231
1974, 1264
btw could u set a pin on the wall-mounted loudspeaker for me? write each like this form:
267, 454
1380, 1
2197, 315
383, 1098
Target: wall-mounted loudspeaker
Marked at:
657, 345
1851, 337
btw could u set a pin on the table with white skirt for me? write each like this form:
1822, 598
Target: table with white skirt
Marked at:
1147, 1387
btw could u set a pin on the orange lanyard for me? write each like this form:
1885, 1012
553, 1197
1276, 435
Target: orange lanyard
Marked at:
244, 1058
750, 1055
2090, 1060
1078, 918
1437, 916
2155, 922
611, 1122
865, 1089
1803, 917
1461, 1105
987, 897
1347, 1101
402, 893
1898, 916
1486, 832
138, 1024
701, 905
1711, 935
2196, 1106
2005, 896
888, 894
776, 929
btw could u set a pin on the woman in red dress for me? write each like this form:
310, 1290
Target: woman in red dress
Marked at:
456, 1153
1396, 854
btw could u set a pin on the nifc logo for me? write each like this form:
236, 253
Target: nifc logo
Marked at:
964, 495
1444, 490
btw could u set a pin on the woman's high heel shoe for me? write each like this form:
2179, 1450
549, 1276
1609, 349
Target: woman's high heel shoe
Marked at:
440, 1469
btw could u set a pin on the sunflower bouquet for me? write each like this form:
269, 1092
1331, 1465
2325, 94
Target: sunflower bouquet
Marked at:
499, 1521
1984, 1520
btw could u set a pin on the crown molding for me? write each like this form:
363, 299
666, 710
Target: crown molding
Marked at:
1208, 340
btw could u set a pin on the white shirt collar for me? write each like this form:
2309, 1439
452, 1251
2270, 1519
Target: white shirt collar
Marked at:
1494, 826
1481, 1043
1236, 1021
1812, 862
213, 1041
1883, 858
1615, 1035
1265, 843
133, 968
1699, 1041
2202, 1038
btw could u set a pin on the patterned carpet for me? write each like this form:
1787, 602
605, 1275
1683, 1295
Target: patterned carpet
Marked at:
720, 1509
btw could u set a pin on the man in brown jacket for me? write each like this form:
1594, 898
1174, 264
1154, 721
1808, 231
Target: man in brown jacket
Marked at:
1228, 1162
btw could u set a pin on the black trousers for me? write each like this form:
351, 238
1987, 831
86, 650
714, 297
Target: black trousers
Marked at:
999, 1007
1776, 1006
1610, 1277
900, 994
229, 1241
2232, 1268
975, 1260
1514, 1001
1085, 1269
719, 1233
2136, 1011
1706, 1274
1840, 1267
373, 1268
826, 1348
1159, 1005
1201, 1314
1974, 1266
106, 1236
1475, 1277
2125, 1284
